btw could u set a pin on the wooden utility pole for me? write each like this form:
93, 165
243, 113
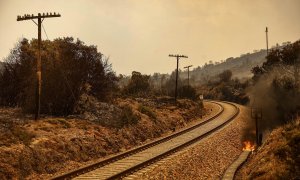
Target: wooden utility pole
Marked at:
267, 41
40, 18
177, 57
188, 68
256, 113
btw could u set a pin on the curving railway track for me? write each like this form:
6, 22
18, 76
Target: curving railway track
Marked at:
126, 163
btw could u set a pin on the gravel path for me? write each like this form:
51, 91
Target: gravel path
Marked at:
207, 159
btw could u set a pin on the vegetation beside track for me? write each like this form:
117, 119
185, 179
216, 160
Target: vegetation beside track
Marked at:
39, 149
278, 157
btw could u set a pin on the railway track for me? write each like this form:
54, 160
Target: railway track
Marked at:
126, 163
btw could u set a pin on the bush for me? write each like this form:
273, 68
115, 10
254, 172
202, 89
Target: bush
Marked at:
138, 85
187, 92
168, 87
23, 135
128, 117
146, 110
68, 67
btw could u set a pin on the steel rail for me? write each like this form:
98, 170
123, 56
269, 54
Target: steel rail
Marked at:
99, 164
144, 164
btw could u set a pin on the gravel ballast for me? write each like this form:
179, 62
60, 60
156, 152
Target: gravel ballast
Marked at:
208, 159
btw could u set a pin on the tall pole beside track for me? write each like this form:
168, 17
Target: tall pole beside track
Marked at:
177, 57
256, 113
188, 68
267, 41
40, 17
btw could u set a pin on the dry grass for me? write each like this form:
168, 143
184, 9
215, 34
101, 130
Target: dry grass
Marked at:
40, 149
278, 157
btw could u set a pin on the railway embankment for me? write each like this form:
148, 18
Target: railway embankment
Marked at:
40, 149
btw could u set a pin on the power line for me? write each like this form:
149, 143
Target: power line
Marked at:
45, 31
62, 72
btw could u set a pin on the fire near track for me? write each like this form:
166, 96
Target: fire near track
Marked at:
126, 163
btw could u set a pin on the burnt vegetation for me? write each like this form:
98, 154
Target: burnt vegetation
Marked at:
142, 85
73, 71
70, 69
77, 78
224, 87
276, 87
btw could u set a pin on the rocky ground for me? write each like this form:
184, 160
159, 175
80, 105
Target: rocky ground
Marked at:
206, 160
41, 149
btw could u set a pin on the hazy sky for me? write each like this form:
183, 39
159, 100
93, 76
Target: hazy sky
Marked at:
139, 34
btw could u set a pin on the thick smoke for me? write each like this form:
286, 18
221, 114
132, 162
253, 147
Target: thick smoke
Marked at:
277, 94
262, 96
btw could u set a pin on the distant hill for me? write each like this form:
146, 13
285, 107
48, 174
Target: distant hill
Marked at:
240, 66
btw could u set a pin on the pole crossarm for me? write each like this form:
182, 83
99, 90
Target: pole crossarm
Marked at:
44, 15
188, 66
177, 58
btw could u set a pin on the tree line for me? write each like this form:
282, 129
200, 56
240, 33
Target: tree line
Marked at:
69, 69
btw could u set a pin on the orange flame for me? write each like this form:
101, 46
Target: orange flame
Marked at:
248, 146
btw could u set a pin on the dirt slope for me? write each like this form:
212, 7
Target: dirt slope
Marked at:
278, 157
40, 149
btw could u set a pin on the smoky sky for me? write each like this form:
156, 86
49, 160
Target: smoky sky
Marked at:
138, 35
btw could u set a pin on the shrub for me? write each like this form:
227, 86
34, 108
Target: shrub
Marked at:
146, 110
23, 135
128, 117
138, 85
187, 92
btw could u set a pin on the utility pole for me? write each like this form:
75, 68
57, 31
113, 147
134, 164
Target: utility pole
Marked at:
267, 41
177, 57
256, 113
188, 67
40, 18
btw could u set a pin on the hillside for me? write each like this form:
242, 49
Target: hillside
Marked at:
240, 66
38, 149
278, 157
